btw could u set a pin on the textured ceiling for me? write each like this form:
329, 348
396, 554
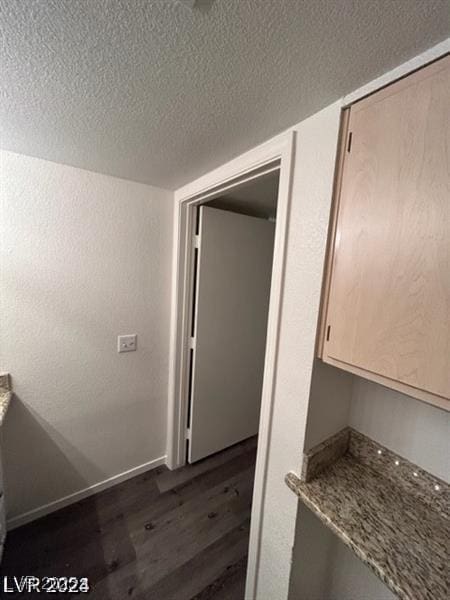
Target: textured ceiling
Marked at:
160, 93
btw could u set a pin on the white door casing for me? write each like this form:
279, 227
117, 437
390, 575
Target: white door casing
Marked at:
280, 150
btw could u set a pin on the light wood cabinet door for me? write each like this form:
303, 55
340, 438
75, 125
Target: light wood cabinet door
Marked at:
388, 309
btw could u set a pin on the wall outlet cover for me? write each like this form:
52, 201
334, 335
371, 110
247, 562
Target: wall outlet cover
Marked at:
127, 343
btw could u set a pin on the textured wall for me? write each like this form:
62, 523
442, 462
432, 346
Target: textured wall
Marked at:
311, 198
155, 92
84, 257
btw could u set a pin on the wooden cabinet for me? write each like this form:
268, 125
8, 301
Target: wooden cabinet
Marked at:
386, 310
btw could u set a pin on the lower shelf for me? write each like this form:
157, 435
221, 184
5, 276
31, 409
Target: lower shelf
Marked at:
390, 513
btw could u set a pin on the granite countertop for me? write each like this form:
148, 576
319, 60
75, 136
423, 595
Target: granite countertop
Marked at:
5, 395
389, 512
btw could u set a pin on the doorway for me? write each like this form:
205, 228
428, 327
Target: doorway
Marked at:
273, 157
232, 248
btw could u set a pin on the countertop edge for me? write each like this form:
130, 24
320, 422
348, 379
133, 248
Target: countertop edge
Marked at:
398, 497
295, 484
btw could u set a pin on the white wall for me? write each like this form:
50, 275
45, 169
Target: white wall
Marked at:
347, 577
329, 403
311, 198
325, 569
311, 560
84, 257
417, 431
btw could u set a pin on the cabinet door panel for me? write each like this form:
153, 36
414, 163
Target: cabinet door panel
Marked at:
389, 303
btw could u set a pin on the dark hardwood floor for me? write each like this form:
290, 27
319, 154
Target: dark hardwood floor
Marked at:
164, 535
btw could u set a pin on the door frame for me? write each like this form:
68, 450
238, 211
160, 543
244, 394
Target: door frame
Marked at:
278, 154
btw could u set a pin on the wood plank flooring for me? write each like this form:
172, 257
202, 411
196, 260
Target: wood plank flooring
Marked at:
164, 535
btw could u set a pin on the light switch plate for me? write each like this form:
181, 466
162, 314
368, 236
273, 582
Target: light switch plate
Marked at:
127, 343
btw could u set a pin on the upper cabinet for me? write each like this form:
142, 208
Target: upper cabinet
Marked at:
386, 305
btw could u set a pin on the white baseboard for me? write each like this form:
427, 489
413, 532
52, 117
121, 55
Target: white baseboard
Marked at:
46, 509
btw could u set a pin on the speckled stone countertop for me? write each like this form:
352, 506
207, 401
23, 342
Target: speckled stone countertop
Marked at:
5, 395
390, 513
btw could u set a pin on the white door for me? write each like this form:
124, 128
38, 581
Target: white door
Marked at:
234, 266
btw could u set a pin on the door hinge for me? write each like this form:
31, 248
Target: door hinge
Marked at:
349, 142
188, 434
328, 333
196, 241
192, 343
